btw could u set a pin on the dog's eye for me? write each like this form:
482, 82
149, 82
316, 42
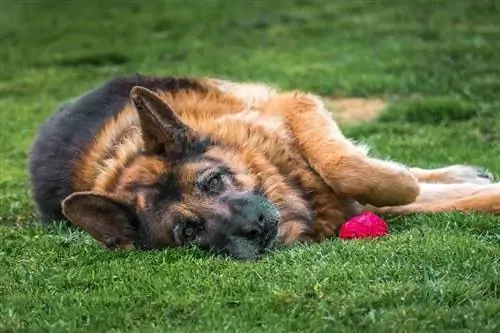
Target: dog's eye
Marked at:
215, 184
189, 232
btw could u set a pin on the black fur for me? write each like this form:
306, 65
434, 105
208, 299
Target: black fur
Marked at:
63, 137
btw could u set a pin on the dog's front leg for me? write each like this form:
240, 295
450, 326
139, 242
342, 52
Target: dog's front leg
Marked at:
343, 165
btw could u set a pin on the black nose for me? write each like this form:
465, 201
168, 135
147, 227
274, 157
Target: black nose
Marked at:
254, 217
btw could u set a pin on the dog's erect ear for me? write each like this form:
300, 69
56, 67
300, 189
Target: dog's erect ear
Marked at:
107, 220
163, 131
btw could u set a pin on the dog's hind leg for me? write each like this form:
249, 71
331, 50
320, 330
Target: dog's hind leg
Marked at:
343, 165
453, 174
439, 198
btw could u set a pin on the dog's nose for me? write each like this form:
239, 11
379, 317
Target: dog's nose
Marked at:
257, 219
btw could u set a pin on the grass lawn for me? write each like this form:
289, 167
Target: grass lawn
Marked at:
436, 61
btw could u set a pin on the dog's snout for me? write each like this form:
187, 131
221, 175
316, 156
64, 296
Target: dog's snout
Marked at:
254, 217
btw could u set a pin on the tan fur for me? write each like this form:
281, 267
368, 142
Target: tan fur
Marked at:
436, 198
450, 175
316, 133
281, 137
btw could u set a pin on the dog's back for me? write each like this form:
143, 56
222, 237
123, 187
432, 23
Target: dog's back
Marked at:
65, 135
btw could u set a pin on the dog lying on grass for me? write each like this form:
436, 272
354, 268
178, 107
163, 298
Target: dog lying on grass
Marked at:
234, 168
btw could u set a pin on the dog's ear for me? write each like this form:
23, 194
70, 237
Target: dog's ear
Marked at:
162, 130
104, 218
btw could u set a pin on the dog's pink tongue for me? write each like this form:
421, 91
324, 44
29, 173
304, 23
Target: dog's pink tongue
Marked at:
366, 225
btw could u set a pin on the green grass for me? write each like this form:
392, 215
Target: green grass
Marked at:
437, 60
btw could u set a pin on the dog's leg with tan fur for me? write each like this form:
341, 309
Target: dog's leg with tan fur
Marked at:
343, 165
453, 174
438, 198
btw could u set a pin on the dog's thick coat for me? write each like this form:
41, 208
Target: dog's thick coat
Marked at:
128, 162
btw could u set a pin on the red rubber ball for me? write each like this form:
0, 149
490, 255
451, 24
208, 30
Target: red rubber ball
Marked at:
366, 225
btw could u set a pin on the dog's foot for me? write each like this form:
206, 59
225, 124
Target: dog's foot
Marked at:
466, 174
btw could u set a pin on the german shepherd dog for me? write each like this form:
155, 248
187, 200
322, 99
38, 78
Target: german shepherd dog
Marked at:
145, 162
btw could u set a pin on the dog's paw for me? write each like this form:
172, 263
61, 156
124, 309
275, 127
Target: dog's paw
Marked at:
467, 174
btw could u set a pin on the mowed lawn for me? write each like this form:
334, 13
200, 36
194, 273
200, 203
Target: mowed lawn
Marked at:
437, 62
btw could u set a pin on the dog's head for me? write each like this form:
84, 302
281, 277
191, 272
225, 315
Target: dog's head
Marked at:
186, 189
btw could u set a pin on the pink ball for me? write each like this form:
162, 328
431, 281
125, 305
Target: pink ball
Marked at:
366, 225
